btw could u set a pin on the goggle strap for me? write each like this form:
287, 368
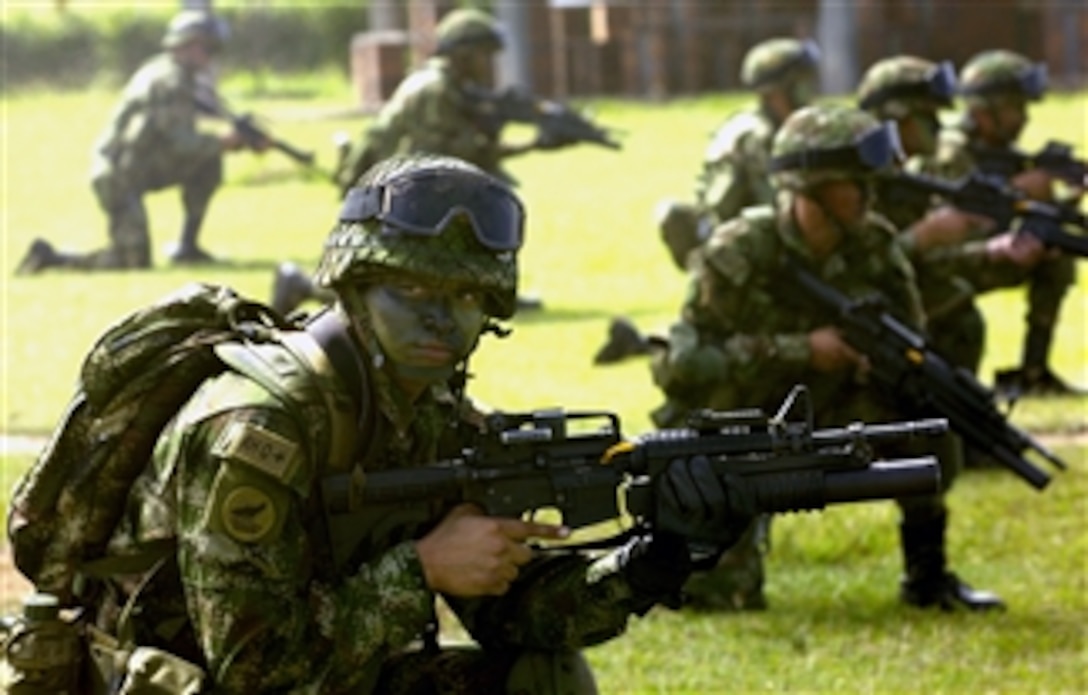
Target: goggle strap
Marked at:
846, 157
939, 85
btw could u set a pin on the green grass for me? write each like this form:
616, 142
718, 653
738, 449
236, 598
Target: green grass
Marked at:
593, 252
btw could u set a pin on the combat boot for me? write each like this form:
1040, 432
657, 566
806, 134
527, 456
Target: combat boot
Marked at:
624, 341
187, 251
928, 583
1011, 384
290, 288
39, 256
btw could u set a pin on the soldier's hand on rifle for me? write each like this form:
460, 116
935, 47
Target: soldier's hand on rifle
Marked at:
232, 141
1023, 250
946, 226
697, 518
471, 554
695, 504
1038, 184
831, 352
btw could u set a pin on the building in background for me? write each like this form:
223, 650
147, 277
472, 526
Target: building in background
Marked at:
661, 48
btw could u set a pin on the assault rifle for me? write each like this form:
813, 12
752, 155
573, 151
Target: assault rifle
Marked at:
989, 196
902, 361
1055, 157
252, 134
581, 465
558, 125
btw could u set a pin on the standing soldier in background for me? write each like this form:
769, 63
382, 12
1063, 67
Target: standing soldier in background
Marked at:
997, 87
747, 334
432, 110
783, 73
152, 143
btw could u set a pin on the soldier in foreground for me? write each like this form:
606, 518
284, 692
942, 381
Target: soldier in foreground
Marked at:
153, 143
746, 332
422, 262
783, 73
997, 87
437, 109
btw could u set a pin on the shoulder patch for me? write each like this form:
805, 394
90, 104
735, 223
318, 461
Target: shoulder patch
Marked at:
248, 514
246, 506
250, 444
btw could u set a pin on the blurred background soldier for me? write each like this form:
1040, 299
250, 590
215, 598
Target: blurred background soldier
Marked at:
747, 334
997, 87
152, 143
910, 92
783, 73
432, 110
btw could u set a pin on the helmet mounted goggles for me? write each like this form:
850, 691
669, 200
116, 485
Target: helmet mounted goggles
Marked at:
425, 204
939, 86
870, 151
807, 56
1030, 82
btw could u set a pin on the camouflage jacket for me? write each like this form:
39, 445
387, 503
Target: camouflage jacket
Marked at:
735, 166
153, 137
937, 272
742, 340
429, 112
236, 481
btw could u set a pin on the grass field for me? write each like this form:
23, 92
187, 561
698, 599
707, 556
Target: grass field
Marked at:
835, 624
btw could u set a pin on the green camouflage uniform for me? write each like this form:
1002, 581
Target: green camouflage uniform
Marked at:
256, 591
428, 112
1048, 281
907, 87
431, 110
742, 342
734, 173
152, 143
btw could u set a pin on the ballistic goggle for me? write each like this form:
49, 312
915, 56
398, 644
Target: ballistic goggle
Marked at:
872, 150
807, 56
938, 85
1031, 82
424, 205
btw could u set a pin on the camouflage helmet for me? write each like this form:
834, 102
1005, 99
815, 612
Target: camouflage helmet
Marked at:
898, 86
428, 215
829, 143
195, 24
778, 61
467, 27
1001, 72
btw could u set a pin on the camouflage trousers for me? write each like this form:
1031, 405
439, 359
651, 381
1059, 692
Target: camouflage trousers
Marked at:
1048, 282
464, 670
123, 202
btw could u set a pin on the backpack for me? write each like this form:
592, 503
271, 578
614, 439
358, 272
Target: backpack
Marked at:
137, 375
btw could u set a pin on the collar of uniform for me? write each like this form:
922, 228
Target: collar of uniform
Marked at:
790, 234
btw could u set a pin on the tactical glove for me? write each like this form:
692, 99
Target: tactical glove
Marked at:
709, 511
698, 517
